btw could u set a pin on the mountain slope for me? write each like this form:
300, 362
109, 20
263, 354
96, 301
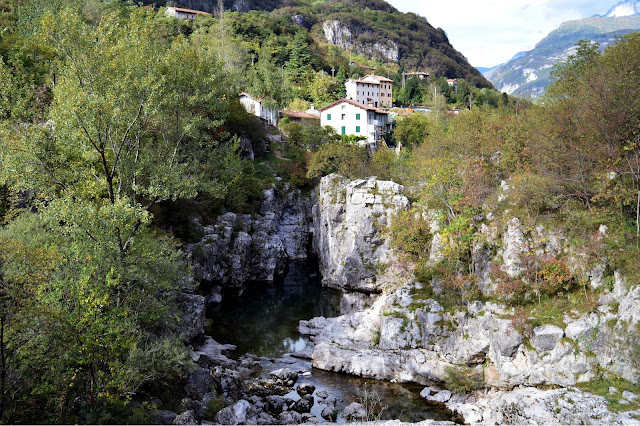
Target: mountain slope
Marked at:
528, 76
372, 28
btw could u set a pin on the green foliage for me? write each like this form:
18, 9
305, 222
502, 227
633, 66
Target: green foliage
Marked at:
602, 385
266, 81
324, 89
463, 379
412, 92
299, 55
414, 129
338, 157
88, 286
5, 203
411, 235
100, 337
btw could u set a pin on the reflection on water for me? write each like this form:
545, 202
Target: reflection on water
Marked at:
264, 320
398, 401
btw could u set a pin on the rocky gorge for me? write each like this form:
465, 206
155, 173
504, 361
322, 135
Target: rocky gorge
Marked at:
391, 330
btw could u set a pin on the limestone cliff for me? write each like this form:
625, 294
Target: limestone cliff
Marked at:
238, 249
350, 221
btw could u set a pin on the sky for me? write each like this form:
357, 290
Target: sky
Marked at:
490, 32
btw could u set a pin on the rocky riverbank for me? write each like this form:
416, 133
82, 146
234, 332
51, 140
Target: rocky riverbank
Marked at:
405, 336
392, 330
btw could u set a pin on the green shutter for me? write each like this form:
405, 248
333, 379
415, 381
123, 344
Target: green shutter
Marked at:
357, 116
344, 130
358, 128
328, 117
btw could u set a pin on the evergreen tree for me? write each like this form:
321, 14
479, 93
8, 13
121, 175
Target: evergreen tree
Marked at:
299, 55
342, 79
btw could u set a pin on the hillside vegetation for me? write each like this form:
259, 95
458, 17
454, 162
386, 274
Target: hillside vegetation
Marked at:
376, 30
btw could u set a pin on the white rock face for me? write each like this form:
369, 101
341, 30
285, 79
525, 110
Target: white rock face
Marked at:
624, 8
533, 406
335, 32
514, 246
350, 220
390, 341
388, 50
529, 74
510, 88
338, 34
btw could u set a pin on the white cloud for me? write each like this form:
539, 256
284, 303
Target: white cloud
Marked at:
490, 32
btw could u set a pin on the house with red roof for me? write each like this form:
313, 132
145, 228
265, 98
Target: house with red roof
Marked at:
182, 13
349, 117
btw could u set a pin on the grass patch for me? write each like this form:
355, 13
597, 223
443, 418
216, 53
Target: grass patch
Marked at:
395, 314
551, 310
463, 379
600, 386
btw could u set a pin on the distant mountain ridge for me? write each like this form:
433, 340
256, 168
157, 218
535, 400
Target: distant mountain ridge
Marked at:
528, 75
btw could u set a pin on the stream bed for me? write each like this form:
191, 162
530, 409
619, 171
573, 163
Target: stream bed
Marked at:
264, 320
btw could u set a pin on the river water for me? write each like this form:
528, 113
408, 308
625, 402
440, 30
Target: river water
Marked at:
263, 322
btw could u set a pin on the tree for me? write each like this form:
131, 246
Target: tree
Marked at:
338, 157
414, 129
342, 79
267, 81
412, 92
299, 55
324, 89
134, 121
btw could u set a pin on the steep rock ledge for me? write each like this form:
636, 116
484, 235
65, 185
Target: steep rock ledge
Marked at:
238, 249
350, 219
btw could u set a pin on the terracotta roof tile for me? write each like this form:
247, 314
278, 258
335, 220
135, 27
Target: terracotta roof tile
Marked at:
357, 104
183, 10
296, 114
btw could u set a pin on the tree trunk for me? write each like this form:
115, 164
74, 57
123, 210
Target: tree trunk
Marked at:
3, 370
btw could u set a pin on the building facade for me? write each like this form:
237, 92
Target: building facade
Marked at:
363, 92
179, 12
373, 90
255, 106
348, 117
386, 89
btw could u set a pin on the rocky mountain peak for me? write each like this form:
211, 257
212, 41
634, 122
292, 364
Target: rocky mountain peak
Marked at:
624, 8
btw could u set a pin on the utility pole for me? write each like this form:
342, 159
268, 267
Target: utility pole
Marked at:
403, 78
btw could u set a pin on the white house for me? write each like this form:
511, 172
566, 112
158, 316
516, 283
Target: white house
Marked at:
363, 92
373, 90
386, 89
179, 12
255, 106
349, 117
